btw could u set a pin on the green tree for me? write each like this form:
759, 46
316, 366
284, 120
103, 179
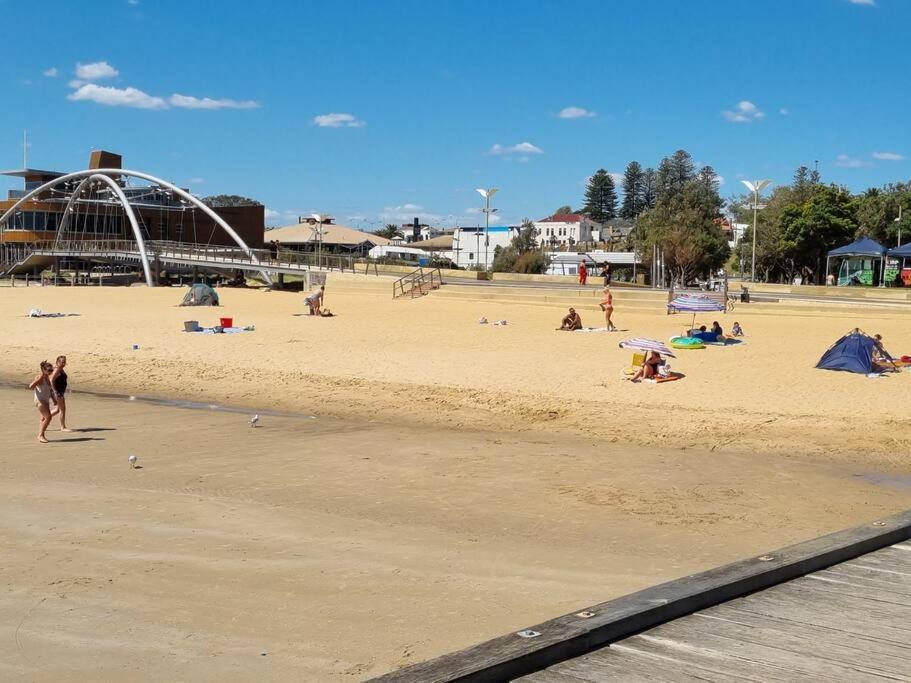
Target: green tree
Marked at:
224, 200
684, 222
809, 230
600, 197
633, 191
390, 231
649, 191
566, 208
522, 255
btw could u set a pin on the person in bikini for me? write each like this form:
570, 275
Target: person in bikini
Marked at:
44, 392
607, 305
649, 369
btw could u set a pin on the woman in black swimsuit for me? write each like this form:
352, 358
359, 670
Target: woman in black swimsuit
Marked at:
58, 384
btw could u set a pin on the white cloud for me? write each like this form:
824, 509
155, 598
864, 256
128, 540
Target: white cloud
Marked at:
95, 71
133, 2
338, 121
720, 179
889, 156
51, 73
844, 161
744, 112
869, 3
190, 102
196, 181
783, 111
575, 113
117, 97
521, 148
405, 213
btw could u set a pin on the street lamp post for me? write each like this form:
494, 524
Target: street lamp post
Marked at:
755, 186
319, 237
487, 194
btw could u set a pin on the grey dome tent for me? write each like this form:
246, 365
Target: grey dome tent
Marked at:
200, 295
852, 353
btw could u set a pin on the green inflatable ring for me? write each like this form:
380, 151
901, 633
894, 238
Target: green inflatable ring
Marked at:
687, 343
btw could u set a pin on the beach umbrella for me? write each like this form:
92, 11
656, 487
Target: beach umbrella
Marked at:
645, 344
695, 303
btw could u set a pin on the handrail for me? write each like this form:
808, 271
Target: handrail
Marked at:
417, 279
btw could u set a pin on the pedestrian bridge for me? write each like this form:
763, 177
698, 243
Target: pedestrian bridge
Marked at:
17, 259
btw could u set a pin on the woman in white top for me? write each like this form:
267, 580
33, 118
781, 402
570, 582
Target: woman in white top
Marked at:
43, 394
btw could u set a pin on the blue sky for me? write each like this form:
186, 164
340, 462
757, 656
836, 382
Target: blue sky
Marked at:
438, 98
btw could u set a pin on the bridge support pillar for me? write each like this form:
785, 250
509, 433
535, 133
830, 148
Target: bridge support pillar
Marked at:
156, 273
195, 274
281, 280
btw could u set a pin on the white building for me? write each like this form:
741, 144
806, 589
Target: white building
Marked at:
469, 248
565, 228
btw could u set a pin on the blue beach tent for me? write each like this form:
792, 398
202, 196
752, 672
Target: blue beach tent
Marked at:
852, 353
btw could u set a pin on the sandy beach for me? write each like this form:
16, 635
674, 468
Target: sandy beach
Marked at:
455, 481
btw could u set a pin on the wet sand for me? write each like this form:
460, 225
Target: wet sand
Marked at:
343, 549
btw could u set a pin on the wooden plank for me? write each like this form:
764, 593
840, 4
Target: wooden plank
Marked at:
846, 586
813, 594
790, 655
568, 636
832, 633
867, 576
798, 608
610, 665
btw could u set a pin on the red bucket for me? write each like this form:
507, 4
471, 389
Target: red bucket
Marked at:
226, 322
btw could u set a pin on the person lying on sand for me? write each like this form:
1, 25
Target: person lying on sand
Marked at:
649, 369
571, 322
315, 300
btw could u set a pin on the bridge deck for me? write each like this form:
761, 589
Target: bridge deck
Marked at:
851, 622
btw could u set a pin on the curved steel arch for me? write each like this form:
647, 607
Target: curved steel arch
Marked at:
137, 232
106, 172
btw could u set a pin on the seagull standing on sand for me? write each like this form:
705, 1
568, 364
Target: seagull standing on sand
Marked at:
254, 420
132, 460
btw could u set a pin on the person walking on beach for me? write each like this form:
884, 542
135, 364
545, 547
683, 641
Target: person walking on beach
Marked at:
607, 305
606, 274
583, 274
43, 395
58, 381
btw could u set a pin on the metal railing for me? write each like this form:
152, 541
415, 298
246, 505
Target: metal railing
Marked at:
416, 282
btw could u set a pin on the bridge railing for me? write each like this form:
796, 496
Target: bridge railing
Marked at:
417, 282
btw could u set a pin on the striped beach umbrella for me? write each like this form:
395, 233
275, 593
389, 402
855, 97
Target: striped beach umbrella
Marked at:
695, 303
645, 344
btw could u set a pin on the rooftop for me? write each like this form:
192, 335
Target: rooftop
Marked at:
28, 172
303, 233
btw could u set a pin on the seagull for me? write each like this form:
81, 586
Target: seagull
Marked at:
254, 420
132, 460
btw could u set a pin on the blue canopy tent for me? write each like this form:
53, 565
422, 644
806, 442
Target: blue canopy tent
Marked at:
863, 246
852, 353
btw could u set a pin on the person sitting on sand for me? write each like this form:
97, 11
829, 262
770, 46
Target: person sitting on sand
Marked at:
58, 381
607, 305
736, 330
650, 365
315, 300
880, 355
43, 395
571, 322
716, 328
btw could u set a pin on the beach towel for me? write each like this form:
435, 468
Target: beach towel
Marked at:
225, 330
592, 329
672, 377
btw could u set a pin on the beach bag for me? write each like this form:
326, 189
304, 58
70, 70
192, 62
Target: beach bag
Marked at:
664, 370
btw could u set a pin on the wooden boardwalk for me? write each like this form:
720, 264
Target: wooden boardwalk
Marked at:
851, 622
835, 608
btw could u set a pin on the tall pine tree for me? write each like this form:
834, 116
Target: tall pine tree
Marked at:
633, 185
649, 191
600, 197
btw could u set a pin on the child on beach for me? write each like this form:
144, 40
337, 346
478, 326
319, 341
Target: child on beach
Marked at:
736, 330
43, 394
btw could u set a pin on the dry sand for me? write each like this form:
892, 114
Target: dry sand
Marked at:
458, 481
